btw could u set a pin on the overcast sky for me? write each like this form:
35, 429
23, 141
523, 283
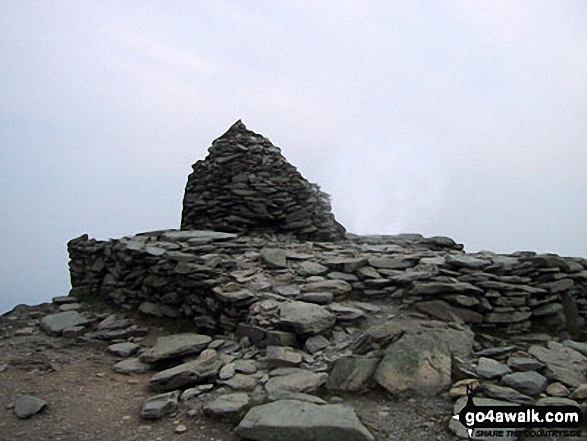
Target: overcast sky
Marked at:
465, 119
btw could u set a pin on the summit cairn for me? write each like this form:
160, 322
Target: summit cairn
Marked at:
246, 185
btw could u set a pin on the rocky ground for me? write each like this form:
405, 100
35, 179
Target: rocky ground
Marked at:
86, 392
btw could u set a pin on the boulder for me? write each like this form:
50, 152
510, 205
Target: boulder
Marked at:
305, 318
418, 364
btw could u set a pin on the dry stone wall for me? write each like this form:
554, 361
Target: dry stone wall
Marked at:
245, 184
284, 291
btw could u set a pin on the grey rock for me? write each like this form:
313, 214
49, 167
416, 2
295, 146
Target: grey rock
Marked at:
206, 236
175, 346
345, 313
442, 310
305, 318
28, 405
556, 401
506, 393
228, 404
529, 383
70, 307
321, 298
187, 374
56, 323
415, 364
131, 366
338, 288
507, 317
577, 346
241, 382
464, 261
336, 275
316, 343
303, 381
562, 363
436, 288
124, 349
352, 373
299, 396
391, 262
291, 420
113, 322
227, 371
490, 369
245, 366
279, 356
525, 364
309, 268
274, 257
160, 405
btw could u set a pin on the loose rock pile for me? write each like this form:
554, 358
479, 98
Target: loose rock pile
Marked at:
245, 185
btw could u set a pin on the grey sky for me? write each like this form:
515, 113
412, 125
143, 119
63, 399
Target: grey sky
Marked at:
457, 118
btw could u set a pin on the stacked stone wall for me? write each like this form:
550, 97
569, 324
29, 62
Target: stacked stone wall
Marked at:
223, 281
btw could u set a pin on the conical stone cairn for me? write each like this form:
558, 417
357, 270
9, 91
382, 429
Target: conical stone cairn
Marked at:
245, 185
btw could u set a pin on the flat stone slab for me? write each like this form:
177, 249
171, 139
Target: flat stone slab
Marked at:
175, 346
28, 405
56, 323
291, 420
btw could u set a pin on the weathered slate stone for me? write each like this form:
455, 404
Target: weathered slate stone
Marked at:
175, 346
186, 374
56, 323
490, 369
309, 268
124, 349
305, 318
228, 404
160, 405
562, 363
352, 373
338, 288
415, 364
436, 288
274, 257
291, 420
301, 381
131, 366
27, 405
529, 383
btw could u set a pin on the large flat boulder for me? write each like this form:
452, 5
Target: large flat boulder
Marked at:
291, 420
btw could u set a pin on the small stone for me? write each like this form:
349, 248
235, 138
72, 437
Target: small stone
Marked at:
181, 429
175, 346
28, 405
56, 323
274, 257
524, 364
227, 371
245, 366
70, 307
580, 393
557, 390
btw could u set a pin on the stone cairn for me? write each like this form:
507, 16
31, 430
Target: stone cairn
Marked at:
246, 185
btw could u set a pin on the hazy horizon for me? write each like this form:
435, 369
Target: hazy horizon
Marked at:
450, 118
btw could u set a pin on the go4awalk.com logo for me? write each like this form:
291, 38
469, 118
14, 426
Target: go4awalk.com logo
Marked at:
519, 420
